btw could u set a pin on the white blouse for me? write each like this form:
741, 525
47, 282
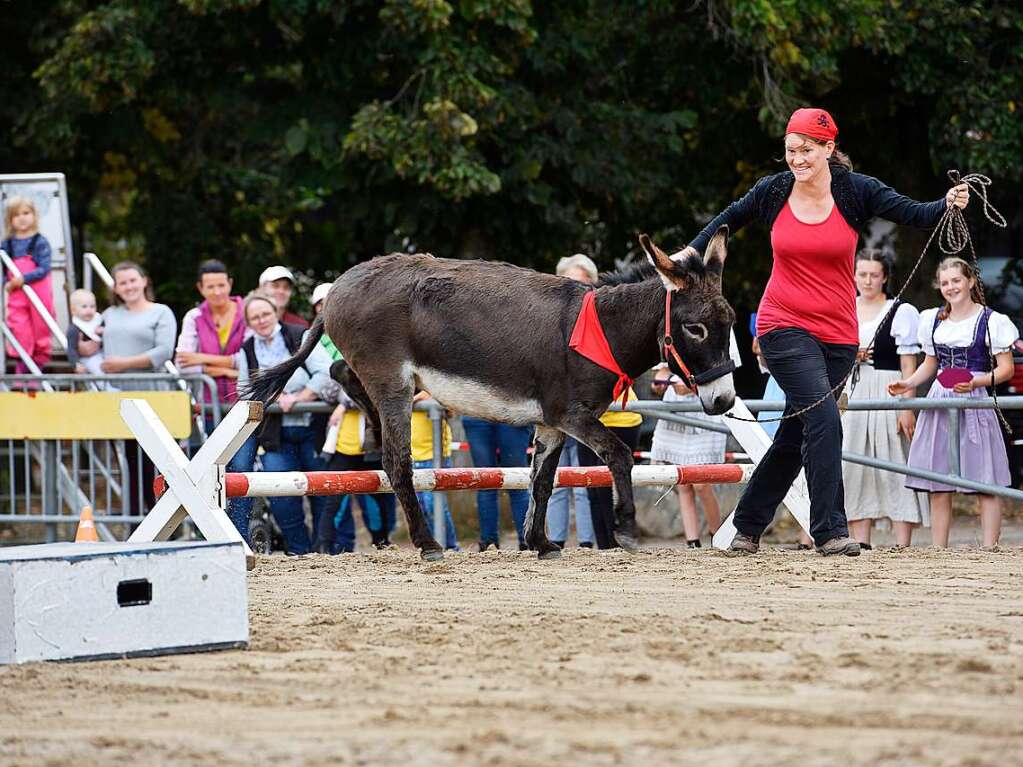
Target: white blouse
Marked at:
960, 333
905, 328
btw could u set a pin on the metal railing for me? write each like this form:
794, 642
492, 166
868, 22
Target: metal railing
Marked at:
49, 481
69, 473
91, 264
669, 411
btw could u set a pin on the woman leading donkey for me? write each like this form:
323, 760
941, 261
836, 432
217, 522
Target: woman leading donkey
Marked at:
806, 324
498, 342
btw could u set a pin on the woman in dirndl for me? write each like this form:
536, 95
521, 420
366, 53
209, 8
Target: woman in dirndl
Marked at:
961, 340
871, 494
684, 445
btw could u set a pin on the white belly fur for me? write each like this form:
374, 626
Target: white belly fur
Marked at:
476, 399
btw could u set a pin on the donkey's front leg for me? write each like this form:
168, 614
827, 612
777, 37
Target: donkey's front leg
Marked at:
618, 458
547, 446
396, 419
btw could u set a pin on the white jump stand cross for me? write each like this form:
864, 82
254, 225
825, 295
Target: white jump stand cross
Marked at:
196, 487
755, 442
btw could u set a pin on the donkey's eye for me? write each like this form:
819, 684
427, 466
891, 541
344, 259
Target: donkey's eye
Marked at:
695, 330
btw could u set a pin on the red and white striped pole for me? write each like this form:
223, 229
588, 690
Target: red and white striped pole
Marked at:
273, 484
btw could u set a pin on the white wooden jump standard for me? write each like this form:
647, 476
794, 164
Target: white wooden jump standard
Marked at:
195, 488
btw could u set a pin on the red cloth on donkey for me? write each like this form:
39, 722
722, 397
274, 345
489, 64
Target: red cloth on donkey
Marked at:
588, 339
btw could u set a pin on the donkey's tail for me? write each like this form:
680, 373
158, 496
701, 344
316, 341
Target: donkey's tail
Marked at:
267, 385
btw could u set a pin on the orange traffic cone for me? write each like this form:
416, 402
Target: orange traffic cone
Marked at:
86, 527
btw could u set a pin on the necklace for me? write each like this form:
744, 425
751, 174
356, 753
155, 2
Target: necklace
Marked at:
220, 320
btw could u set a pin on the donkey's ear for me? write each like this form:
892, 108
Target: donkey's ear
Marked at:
717, 248
667, 269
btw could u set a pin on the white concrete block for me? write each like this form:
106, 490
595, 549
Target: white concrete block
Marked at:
63, 601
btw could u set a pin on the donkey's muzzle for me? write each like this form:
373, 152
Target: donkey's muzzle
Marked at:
719, 404
716, 389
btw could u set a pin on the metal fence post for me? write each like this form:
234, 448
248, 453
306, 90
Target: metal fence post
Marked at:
437, 423
49, 490
953, 441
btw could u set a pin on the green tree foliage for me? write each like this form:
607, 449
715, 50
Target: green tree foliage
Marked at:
321, 133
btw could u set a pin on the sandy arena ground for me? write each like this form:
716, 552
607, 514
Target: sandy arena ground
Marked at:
666, 657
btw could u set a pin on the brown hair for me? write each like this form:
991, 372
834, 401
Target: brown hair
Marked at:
881, 257
968, 272
252, 297
123, 266
838, 157
14, 205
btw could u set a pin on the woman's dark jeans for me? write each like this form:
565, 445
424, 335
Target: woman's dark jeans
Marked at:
504, 445
806, 369
336, 532
298, 451
602, 498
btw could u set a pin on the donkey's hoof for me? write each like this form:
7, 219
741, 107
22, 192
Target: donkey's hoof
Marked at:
628, 542
554, 553
432, 555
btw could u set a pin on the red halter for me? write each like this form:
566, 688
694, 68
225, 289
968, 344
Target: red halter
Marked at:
669, 345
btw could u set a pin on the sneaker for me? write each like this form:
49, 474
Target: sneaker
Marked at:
585, 544
693, 544
745, 544
843, 544
484, 545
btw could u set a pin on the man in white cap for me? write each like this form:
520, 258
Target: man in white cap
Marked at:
319, 293
279, 282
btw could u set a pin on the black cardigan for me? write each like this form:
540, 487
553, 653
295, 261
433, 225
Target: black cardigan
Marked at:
859, 198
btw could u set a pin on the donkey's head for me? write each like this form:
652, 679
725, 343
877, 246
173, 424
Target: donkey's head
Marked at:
700, 319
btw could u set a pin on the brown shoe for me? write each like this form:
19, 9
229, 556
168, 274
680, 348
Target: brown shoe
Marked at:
841, 545
744, 544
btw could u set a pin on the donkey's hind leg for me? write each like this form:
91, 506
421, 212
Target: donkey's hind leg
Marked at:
546, 451
395, 408
618, 457
342, 372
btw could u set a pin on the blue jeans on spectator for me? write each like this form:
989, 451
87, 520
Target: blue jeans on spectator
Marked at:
240, 509
337, 529
806, 369
298, 451
426, 501
503, 445
557, 506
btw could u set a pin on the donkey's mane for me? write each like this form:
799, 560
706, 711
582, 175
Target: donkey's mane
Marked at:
637, 271
640, 271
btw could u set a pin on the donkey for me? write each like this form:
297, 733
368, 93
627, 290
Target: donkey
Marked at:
491, 340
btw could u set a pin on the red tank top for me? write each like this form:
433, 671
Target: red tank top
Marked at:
811, 285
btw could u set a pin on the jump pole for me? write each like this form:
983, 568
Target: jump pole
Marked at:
199, 487
267, 484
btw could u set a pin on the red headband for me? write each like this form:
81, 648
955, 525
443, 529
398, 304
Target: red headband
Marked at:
813, 122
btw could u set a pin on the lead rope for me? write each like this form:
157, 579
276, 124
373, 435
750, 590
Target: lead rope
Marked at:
953, 236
